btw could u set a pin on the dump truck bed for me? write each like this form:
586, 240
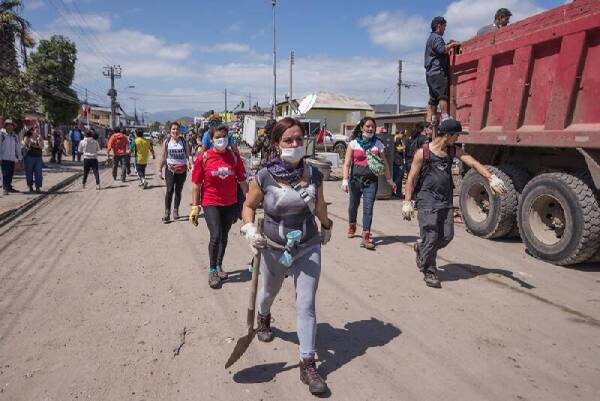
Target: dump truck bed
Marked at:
533, 83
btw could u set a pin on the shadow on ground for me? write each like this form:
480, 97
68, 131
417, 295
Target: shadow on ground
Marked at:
336, 347
393, 239
455, 272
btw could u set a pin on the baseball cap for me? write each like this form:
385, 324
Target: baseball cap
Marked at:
452, 127
9, 121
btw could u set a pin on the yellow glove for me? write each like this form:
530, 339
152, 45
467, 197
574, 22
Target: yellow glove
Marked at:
194, 213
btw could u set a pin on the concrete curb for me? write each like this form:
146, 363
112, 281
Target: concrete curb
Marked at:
12, 214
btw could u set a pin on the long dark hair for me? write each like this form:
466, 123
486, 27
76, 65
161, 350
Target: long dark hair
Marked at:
358, 129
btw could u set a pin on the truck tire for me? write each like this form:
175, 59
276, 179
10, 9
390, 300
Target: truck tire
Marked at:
487, 215
519, 178
559, 218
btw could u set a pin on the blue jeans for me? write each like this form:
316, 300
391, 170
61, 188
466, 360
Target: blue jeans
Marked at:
75, 151
368, 191
33, 168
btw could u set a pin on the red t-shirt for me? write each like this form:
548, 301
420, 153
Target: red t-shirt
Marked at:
218, 174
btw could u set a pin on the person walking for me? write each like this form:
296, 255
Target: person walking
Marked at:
420, 137
10, 155
398, 167
291, 193
89, 148
33, 146
176, 161
131, 142
75, 136
365, 153
119, 145
432, 194
58, 146
142, 148
437, 69
215, 178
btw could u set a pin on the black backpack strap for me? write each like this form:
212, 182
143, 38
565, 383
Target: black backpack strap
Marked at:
451, 150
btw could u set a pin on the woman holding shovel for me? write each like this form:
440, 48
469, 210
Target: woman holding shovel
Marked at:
291, 193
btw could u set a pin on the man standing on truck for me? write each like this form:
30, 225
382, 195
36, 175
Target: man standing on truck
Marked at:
501, 19
434, 192
437, 68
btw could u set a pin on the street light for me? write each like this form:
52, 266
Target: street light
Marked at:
274, 107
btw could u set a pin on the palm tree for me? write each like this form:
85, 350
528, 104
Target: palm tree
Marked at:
13, 28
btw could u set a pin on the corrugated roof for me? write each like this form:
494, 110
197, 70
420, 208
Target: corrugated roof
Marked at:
328, 100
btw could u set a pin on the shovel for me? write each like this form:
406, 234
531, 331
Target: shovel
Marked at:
244, 342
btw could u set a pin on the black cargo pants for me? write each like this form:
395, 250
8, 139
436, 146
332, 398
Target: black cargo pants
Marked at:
437, 230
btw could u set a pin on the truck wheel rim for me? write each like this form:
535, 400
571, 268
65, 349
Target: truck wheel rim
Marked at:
478, 203
547, 219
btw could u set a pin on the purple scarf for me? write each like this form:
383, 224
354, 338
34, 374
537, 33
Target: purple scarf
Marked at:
279, 169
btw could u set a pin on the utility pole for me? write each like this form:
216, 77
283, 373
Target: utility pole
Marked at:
274, 106
399, 86
225, 100
250, 101
113, 72
291, 98
135, 109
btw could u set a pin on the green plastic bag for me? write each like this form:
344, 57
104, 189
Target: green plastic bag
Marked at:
376, 164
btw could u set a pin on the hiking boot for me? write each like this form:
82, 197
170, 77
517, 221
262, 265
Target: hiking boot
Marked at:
5, 191
351, 230
432, 280
30, 190
38, 190
310, 376
145, 185
14, 191
83, 185
263, 331
213, 280
366, 241
223, 275
175, 214
167, 217
417, 250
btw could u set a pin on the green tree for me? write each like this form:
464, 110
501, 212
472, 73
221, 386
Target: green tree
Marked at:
50, 71
15, 97
14, 30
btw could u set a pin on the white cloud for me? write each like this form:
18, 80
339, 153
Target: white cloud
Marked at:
229, 47
465, 17
395, 30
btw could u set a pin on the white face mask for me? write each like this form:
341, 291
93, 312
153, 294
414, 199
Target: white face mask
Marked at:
292, 155
220, 144
367, 135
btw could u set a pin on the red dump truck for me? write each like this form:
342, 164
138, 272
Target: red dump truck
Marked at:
529, 96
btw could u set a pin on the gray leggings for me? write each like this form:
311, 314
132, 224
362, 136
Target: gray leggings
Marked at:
437, 230
306, 269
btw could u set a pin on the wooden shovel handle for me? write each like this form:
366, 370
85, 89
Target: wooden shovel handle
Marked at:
254, 283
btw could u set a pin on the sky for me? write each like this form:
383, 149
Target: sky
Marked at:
183, 54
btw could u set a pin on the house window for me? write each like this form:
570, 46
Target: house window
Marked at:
95, 116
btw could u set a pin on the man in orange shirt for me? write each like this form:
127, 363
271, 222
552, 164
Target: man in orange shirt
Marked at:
119, 145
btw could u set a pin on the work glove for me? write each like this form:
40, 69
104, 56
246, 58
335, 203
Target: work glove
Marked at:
408, 210
326, 233
251, 234
497, 185
194, 214
345, 186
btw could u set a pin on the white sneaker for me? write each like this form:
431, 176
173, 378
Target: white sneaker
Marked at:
98, 187
83, 185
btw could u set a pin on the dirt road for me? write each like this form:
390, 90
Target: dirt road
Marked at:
95, 293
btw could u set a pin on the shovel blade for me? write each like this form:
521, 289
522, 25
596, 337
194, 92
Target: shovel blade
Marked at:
240, 348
